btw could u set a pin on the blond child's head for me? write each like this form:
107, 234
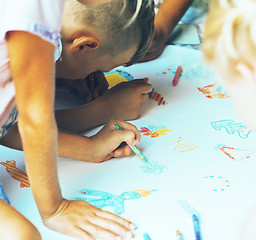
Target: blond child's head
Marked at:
105, 36
229, 46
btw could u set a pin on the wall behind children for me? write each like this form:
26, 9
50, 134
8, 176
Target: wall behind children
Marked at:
201, 159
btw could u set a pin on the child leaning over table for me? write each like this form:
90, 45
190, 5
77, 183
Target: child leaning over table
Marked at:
27, 73
230, 48
169, 14
98, 40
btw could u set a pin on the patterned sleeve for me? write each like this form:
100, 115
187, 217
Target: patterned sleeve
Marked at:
40, 17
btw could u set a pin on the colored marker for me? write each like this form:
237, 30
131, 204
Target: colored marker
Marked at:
146, 236
177, 75
150, 93
179, 235
135, 149
196, 227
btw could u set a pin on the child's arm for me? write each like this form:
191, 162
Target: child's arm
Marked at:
72, 145
32, 66
167, 17
88, 89
122, 102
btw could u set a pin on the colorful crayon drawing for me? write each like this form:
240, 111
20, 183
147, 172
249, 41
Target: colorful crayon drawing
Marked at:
234, 153
218, 183
214, 90
157, 97
103, 199
153, 131
16, 173
117, 76
169, 71
232, 127
152, 167
184, 146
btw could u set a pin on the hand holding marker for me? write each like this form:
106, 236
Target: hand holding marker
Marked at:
136, 150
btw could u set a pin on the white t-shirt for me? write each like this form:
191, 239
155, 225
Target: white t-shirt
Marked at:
40, 17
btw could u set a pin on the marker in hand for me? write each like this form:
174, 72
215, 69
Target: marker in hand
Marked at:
134, 148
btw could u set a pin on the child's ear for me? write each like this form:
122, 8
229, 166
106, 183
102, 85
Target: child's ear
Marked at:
84, 43
247, 73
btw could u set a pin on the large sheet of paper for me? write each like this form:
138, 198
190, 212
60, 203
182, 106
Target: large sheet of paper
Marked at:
201, 159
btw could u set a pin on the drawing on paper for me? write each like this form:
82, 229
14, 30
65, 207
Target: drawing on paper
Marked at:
232, 127
157, 97
16, 173
234, 153
103, 199
152, 167
217, 183
117, 76
169, 71
154, 131
214, 91
184, 146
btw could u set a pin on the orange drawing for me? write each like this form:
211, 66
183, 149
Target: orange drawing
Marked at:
234, 153
144, 193
213, 90
157, 133
184, 146
153, 131
16, 173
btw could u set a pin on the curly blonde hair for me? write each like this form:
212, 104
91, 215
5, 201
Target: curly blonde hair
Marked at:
230, 35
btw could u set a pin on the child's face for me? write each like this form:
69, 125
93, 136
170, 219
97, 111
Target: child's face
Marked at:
243, 93
79, 65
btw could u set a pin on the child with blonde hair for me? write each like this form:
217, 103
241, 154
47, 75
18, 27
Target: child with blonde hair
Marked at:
229, 47
29, 35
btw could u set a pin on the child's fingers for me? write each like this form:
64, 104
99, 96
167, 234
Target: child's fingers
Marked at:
109, 228
81, 234
97, 230
122, 150
101, 85
129, 131
142, 84
111, 216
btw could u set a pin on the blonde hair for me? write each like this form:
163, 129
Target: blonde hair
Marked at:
122, 22
230, 34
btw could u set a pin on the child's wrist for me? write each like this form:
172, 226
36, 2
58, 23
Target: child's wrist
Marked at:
62, 207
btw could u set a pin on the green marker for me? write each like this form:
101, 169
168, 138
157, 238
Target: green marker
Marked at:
135, 149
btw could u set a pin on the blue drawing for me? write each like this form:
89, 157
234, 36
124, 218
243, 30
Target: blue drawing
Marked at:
152, 167
103, 199
219, 183
232, 127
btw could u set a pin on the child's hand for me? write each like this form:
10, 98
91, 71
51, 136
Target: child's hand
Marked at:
125, 100
100, 84
84, 221
109, 142
83, 86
